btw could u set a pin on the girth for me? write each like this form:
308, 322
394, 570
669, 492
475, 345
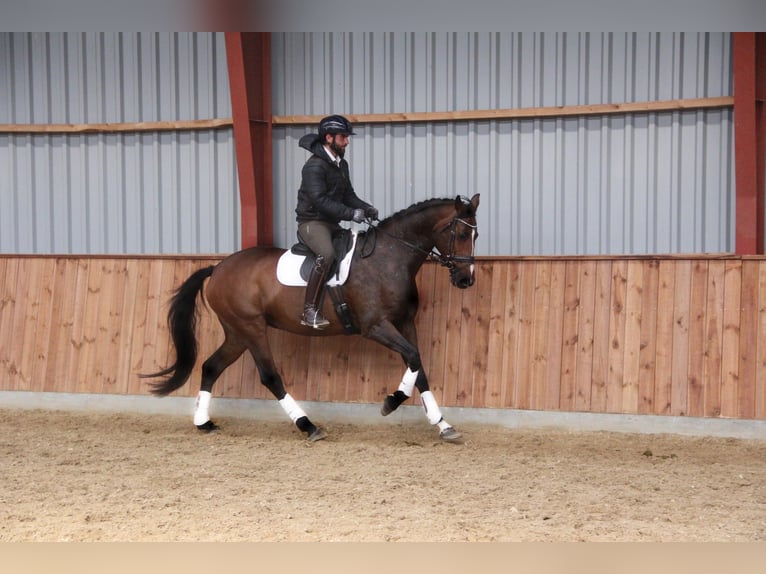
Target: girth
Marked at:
341, 309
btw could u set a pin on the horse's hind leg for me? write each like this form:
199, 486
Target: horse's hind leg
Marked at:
212, 368
271, 379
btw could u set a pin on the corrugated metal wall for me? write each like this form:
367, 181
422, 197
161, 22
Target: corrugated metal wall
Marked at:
639, 183
142, 192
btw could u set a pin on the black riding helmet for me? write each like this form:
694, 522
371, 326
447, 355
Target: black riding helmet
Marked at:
335, 125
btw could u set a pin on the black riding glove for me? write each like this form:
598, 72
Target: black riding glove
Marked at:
371, 212
358, 216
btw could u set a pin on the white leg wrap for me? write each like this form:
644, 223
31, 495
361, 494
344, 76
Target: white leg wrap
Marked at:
408, 382
432, 409
202, 408
291, 408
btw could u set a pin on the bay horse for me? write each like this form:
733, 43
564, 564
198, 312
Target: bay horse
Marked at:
380, 292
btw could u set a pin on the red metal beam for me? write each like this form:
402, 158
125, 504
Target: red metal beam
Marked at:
749, 52
249, 61
760, 132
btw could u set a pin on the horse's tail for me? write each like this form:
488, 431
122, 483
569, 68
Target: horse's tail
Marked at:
182, 321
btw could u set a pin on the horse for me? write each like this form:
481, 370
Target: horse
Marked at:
380, 293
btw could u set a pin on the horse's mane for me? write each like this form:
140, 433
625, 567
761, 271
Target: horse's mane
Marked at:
419, 207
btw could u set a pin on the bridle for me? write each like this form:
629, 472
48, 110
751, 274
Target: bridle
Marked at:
450, 260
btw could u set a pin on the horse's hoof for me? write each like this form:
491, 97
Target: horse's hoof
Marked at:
450, 435
392, 402
208, 427
389, 405
318, 434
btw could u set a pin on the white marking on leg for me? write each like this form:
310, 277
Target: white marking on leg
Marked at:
408, 382
443, 425
432, 410
291, 408
202, 408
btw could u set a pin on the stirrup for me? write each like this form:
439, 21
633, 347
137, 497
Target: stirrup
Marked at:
313, 318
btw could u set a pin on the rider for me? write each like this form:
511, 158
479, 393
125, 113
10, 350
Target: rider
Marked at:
325, 198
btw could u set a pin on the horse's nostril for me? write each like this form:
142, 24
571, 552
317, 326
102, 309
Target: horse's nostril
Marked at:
464, 282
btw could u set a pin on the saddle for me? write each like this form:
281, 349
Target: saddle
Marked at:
294, 266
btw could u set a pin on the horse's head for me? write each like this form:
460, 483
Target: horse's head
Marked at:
456, 239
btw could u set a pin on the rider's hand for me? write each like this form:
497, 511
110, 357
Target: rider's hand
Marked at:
371, 212
358, 216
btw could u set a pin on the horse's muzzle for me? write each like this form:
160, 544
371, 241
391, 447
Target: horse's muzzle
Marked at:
462, 277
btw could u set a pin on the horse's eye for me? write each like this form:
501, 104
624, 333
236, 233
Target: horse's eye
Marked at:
465, 236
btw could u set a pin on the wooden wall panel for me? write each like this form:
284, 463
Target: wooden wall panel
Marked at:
569, 337
617, 320
647, 351
479, 390
44, 312
640, 335
510, 315
585, 336
602, 337
712, 361
760, 368
663, 377
695, 405
731, 342
550, 385
8, 304
632, 345
680, 349
748, 335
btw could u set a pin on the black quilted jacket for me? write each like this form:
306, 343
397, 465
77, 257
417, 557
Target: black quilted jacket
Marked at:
326, 192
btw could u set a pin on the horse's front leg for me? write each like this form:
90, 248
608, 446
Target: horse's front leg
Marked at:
405, 343
414, 372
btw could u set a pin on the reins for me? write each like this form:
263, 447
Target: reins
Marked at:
448, 260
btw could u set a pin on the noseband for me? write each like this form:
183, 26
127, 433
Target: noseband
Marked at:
451, 260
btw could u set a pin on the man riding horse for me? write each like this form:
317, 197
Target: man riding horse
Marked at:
381, 290
325, 198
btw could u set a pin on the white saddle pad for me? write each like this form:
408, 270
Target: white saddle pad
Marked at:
289, 267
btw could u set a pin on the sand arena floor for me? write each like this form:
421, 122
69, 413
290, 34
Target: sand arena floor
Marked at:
72, 476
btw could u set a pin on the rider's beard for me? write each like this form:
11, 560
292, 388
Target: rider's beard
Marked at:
337, 150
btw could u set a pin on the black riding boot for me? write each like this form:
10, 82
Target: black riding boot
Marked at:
312, 316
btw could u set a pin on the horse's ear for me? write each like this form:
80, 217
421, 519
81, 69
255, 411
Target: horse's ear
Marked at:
463, 204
